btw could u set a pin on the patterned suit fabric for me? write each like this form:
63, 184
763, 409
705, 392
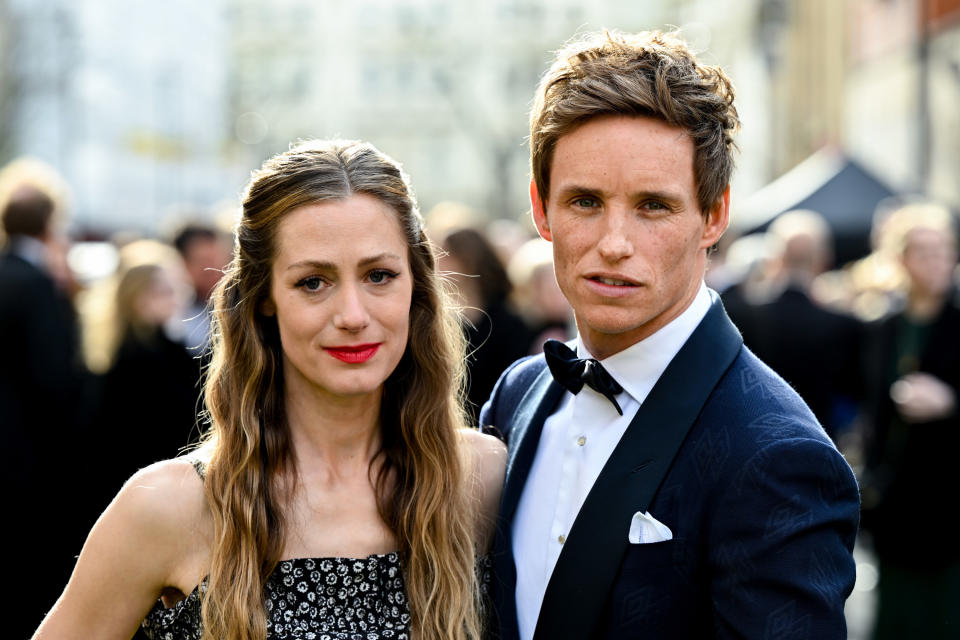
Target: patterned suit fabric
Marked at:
763, 508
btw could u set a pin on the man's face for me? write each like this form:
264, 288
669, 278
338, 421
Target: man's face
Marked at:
205, 261
629, 238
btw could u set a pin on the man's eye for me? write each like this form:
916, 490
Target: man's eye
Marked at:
655, 205
379, 276
585, 203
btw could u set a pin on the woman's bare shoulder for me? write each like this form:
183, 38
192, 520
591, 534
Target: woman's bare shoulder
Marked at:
166, 496
487, 460
150, 538
487, 453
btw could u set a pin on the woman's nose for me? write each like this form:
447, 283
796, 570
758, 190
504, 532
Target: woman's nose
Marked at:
351, 314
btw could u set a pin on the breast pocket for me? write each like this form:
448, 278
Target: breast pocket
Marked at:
643, 557
654, 588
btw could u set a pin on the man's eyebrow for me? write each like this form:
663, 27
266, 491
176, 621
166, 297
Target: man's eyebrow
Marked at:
571, 189
324, 265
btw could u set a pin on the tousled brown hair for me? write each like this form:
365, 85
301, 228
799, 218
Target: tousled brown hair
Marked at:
650, 74
420, 484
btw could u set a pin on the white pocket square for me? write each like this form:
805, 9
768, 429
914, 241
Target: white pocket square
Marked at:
644, 529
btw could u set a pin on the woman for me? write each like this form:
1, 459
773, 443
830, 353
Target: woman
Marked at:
337, 496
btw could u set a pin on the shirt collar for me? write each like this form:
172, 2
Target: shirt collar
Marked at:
637, 368
30, 250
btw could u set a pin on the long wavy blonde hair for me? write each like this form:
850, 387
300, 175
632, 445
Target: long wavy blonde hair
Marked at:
421, 484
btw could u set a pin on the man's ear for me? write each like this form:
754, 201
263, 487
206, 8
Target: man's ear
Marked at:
716, 221
539, 211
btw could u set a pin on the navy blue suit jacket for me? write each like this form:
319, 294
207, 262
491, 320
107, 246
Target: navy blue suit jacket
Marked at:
763, 508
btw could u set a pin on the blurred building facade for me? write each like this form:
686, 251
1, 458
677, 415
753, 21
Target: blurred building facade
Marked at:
126, 100
442, 86
146, 107
879, 79
904, 87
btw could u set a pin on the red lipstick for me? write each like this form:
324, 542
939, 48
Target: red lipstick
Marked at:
353, 354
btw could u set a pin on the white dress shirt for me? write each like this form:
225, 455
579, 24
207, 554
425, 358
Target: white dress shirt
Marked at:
576, 442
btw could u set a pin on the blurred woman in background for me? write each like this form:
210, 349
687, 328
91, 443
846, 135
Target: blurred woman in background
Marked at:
150, 376
496, 335
913, 382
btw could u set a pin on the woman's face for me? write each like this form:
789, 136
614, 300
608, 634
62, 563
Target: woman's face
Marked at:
159, 302
929, 258
340, 289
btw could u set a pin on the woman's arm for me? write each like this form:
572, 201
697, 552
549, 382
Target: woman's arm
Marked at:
149, 539
487, 458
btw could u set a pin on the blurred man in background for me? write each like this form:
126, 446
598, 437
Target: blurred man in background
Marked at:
815, 349
205, 254
41, 406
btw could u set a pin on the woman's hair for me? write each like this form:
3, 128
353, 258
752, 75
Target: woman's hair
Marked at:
135, 283
650, 74
421, 486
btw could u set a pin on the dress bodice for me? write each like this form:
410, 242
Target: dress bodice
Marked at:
311, 599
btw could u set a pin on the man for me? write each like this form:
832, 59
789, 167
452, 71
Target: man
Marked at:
694, 495
41, 408
205, 255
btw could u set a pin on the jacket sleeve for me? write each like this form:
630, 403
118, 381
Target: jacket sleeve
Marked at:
781, 544
496, 411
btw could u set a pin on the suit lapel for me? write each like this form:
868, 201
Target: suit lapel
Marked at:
524, 429
594, 549
527, 424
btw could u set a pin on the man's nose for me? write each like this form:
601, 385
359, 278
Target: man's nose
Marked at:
351, 314
615, 243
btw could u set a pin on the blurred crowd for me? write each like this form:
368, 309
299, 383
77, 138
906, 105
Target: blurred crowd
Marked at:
104, 349
874, 349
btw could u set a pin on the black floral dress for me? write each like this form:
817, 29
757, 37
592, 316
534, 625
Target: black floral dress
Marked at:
312, 599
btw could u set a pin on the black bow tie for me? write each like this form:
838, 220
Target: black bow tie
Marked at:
571, 372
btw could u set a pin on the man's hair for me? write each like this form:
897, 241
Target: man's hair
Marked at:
27, 213
650, 74
187, 234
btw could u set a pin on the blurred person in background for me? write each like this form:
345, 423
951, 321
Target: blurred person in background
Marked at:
815, 349
42, 404
738, 273
538, 297
496, 335
337, 493
913, 377
206, 253
150, 376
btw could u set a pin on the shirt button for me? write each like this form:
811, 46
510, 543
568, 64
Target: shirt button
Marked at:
582, 440
561, 539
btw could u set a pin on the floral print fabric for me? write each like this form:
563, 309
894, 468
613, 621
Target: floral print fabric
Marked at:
312, 599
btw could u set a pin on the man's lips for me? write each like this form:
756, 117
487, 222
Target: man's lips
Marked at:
608, 284
353, 353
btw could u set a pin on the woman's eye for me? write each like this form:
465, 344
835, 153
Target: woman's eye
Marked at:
313, 283
379, 276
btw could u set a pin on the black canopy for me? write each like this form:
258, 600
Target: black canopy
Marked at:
830, 183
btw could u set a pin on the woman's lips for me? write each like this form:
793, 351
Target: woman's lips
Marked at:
353, 354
